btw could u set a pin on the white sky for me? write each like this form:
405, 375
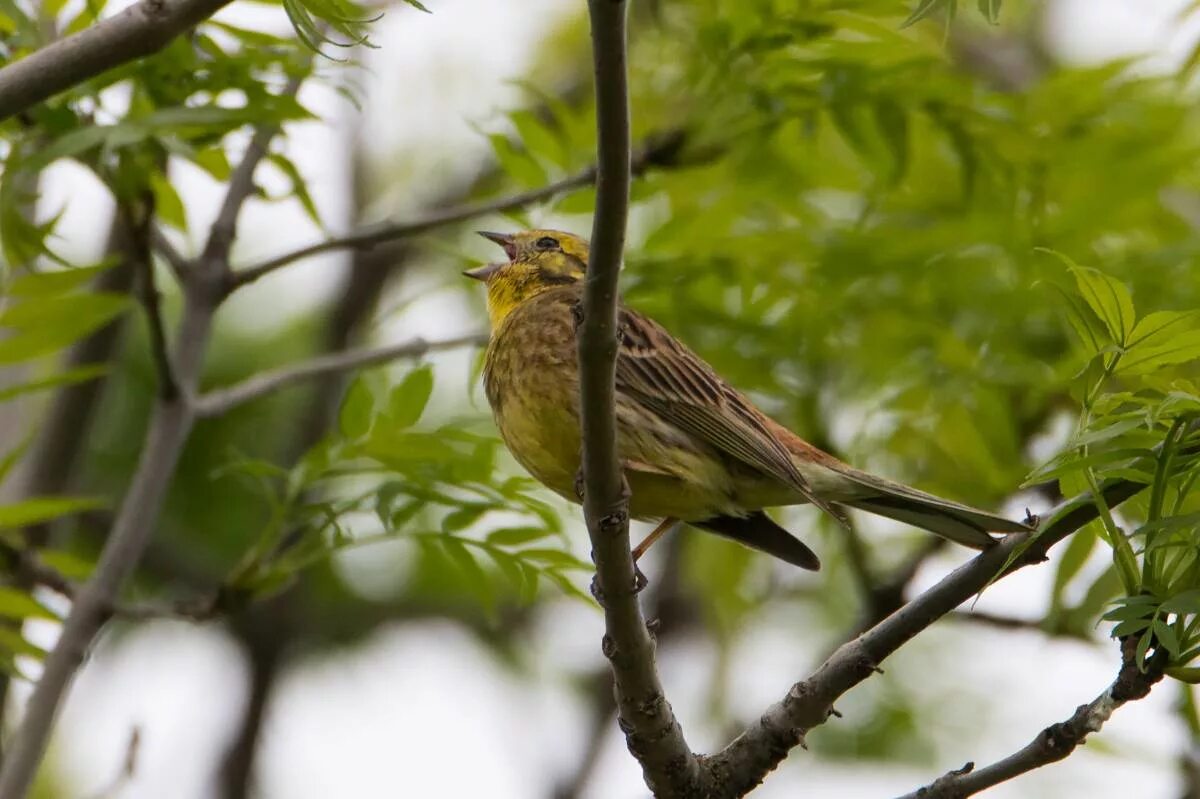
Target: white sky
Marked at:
420, 709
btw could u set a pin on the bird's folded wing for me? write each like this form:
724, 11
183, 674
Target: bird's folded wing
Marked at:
668, 379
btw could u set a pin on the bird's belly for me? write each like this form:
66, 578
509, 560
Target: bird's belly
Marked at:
669, 473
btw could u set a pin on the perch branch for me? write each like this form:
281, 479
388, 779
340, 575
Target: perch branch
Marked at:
651, 731
743, 764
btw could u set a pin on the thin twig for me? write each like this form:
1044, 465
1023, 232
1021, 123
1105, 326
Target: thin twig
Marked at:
651, 731
140, 225
220, 401
1057, 741
140, 30
174, 258
659, 151
743, 764
241, 184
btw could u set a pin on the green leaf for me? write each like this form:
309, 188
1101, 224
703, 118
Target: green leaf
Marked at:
1188, 674
41, 509
407, 401
1186, 602
514, 536
11, 641
57, 281
1109, 299
17, 604
1184, 348
990, 10
1129, 627
214, 161
1143, 645
1165, 635
299, 187
1160, 327
463, 517
923, 9
357, 411
49, 325
555, 558
67, 564
11, 457
167, 205
80, 374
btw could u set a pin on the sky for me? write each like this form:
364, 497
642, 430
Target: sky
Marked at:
419, 709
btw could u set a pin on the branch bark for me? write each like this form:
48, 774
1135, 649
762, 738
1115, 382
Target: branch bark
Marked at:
170, 424
169, 427
658, 151
651, 731
746, 761
215, 403
1055, 742
140, 30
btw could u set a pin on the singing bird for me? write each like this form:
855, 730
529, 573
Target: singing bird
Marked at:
693, 448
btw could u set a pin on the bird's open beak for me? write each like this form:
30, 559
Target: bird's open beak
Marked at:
487, 270
504, 240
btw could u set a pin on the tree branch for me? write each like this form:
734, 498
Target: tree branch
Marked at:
1057, 741
241, 183
140, 30
141, 233
744, 763
170, 424
651, 731
220, 401
657, 151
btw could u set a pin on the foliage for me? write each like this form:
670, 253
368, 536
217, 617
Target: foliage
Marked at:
867, 232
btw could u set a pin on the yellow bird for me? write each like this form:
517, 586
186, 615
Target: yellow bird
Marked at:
692, 447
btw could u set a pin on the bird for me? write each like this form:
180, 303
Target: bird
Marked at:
692, 448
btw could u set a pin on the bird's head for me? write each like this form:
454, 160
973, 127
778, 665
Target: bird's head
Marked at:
538, 260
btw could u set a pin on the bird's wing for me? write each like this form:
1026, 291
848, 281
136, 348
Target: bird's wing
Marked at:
668, 379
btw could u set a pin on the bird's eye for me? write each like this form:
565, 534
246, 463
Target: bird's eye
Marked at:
546, 243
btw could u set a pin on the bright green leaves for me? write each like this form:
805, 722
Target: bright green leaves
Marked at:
990, 9
1109, 299
1138, 422
36, 510
391, 475
45, 312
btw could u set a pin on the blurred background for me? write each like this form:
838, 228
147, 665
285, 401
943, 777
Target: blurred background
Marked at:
841, 214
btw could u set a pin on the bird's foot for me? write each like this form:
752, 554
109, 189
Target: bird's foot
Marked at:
1031, 519
639, 580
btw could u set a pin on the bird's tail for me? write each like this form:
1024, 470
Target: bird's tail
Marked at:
961, 523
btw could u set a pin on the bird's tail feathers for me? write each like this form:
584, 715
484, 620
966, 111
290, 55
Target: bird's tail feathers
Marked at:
960, 523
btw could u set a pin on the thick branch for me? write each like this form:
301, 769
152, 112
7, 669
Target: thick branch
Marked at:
651, 731
220, 401
661, 151
1055, 742
744, 763
169, 427
140, 30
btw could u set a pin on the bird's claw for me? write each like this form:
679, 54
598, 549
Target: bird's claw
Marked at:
1031, 519
639, 580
